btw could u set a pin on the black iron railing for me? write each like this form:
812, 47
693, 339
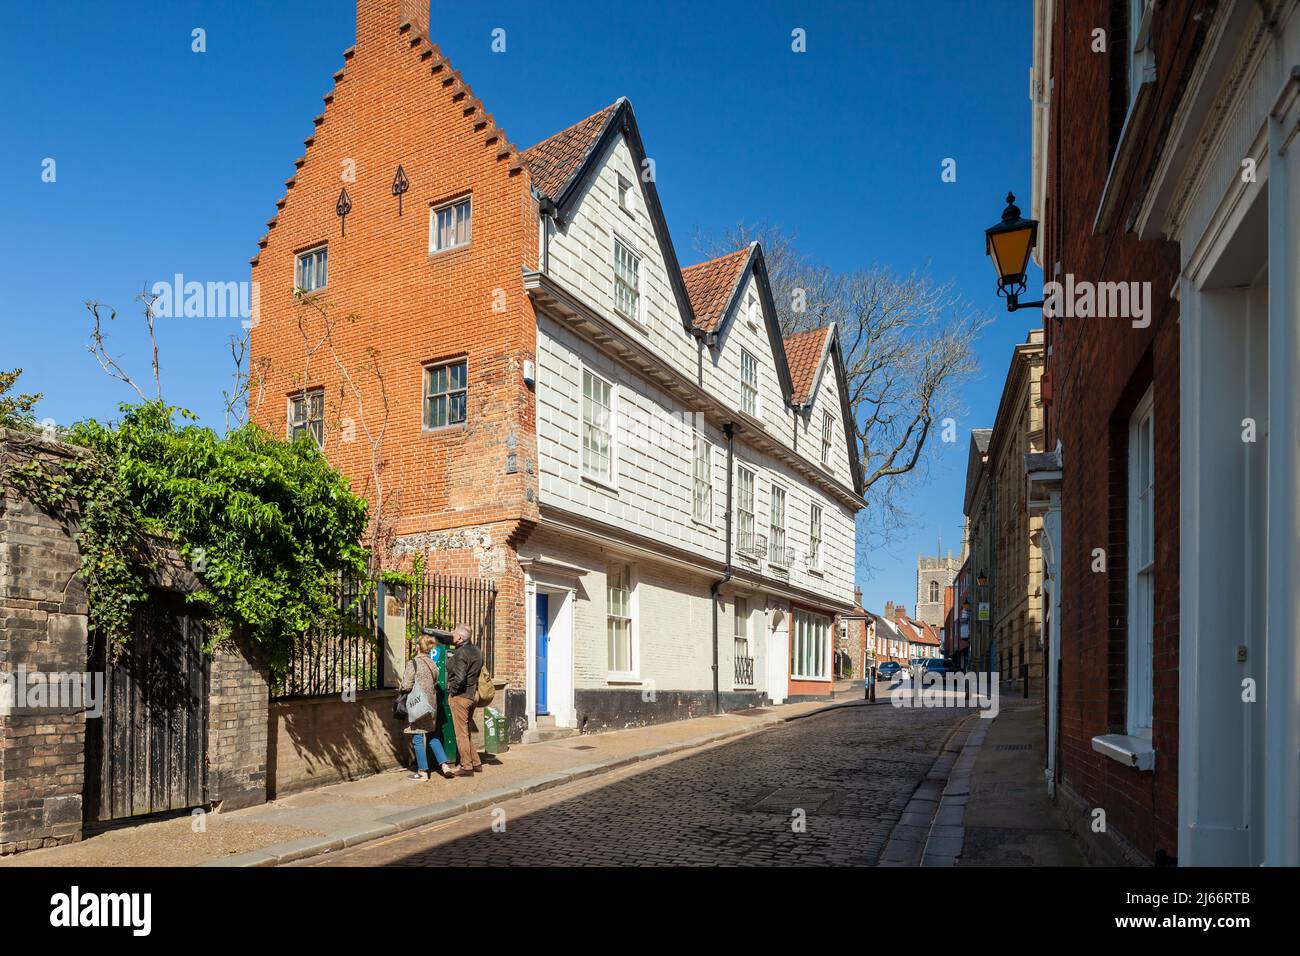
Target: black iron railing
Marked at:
344, 654
751, 544
444, 602
744, 667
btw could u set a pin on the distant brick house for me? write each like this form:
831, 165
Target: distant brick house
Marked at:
570, 412
1169, 487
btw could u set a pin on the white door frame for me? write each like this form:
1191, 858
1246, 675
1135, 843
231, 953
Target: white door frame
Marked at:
560, 585
777, 664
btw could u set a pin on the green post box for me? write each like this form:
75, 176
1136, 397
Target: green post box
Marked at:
494, 731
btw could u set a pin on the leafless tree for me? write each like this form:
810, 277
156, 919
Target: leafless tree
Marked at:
908, 345
98, 345
355, 385
244, 399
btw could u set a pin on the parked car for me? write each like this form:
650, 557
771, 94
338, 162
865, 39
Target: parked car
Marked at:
938, 665
887, 670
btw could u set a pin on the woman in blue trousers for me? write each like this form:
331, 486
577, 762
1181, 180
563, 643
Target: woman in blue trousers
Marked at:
422, 670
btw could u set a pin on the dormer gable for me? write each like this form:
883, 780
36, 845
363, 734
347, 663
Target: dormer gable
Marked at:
562, 166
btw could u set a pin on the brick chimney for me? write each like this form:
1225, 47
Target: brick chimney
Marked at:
857, 596
379, 19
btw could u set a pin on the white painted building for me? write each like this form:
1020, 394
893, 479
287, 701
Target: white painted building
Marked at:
669, 408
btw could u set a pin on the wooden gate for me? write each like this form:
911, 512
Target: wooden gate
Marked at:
147, 753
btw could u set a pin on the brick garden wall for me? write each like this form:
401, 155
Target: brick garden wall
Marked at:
42, 628
238, 697
319, 741
1099, 369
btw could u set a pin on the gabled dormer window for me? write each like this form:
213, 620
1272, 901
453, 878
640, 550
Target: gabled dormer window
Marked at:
310, 269
625, 195
828, 433
627, 281
748, 383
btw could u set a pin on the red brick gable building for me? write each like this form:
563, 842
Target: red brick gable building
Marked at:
396, 307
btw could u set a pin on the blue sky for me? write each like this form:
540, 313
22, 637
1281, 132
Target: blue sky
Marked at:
171, 161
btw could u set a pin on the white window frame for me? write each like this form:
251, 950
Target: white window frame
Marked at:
624, 186
752, 311
1141, 57
748, 389
634, 661
435, 245
449, 393
776, 538
810, 645
702, 496
1141, 567
740, 624
828, 433
638, 299
319, 268
610, 477
294, 424
745, 515
814, 537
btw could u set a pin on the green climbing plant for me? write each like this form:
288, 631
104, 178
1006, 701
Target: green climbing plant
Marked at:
17, 409
266, 525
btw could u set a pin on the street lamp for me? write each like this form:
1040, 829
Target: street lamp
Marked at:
1008, 243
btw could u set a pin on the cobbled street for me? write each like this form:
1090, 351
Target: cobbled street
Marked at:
850, 770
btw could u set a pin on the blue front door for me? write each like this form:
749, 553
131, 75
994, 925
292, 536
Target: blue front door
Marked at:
543, 639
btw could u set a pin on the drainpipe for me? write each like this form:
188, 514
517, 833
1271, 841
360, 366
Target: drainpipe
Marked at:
728, 430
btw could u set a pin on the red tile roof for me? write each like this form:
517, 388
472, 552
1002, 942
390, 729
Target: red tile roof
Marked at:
710, 285
803, 352
554, 160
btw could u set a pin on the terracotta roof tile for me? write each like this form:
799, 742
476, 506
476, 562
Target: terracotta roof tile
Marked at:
552, 161
803, 352
709, 286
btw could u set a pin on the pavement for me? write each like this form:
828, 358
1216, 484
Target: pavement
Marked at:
1009, 819
317, 821
994, 809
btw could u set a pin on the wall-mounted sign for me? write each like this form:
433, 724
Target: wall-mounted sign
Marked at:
984, 610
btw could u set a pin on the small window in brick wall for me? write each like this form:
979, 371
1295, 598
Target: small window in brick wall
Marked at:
445, 394
307, 414
450, 226
310, 269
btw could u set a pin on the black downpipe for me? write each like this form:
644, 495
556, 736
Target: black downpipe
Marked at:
729, 431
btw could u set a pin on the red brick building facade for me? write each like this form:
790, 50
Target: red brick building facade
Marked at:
1098, 371
463, 495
